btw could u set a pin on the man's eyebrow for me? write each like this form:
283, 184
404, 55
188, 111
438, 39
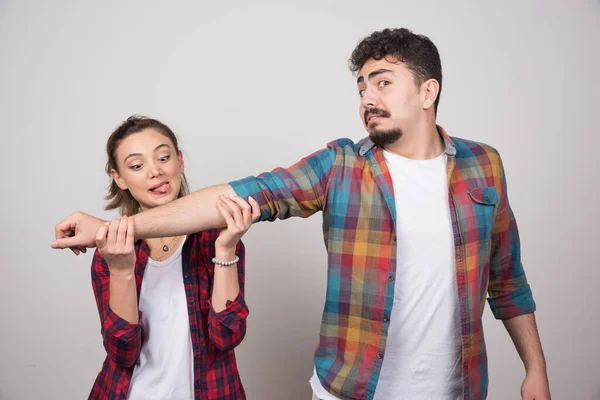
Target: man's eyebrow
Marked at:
373, 74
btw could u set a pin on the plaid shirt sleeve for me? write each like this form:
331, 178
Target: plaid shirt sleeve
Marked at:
510, 294
297, 191
227, 328
122, 339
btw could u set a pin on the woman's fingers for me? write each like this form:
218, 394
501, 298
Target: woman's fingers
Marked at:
235, 210
255, 208
246, 211
130, 239
122, 233
111, 239
224, 210
101, 236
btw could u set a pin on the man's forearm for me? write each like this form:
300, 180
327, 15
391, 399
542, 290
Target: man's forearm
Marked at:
189, 214
524, 334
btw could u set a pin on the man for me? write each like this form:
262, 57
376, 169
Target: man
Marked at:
417, 226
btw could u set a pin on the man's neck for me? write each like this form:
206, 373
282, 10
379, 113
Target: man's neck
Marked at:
422, 142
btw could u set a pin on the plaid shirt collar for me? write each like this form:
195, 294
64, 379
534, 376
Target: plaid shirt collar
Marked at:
368, 144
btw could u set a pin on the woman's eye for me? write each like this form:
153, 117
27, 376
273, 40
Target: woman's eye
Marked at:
136, 166
165, 158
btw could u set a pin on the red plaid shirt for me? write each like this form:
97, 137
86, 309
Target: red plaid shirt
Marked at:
214, 335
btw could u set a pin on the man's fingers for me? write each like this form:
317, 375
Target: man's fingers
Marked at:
65, 243
65, 228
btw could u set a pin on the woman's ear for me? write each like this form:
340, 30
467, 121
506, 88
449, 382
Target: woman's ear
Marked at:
118, 179
180, 160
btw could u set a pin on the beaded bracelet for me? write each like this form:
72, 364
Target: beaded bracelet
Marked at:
225, 263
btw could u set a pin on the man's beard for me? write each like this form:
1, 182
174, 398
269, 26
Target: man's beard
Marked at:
381, 137
384, 138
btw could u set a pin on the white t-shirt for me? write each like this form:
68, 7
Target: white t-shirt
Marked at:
164, 369
422, 358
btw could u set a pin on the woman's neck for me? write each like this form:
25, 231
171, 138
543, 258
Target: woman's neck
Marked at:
163, 247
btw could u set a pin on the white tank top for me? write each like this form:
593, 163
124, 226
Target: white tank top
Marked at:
164, 369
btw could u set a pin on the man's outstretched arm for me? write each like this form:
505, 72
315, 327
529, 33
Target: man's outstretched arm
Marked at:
297, 191
189, 214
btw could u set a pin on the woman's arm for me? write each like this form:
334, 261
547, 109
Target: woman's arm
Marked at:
226, 285
238, 215
113, 280
228, 310
115, 242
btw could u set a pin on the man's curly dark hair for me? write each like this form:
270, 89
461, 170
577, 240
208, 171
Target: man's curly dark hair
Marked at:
417, 51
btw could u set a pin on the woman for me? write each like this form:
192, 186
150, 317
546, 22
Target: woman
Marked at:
172, 309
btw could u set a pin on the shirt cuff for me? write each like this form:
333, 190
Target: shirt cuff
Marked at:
233, 315
246, 187
119, 328
509, 305
250, 186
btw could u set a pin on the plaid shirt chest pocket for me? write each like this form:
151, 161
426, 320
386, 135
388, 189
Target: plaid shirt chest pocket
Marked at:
475, 211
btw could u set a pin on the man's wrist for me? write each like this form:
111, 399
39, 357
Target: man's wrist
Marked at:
536, 369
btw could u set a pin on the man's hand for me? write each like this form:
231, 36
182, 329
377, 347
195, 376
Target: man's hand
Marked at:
524, 334
77, 232
535, 387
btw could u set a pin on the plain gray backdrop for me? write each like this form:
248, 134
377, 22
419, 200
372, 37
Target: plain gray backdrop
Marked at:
248, 87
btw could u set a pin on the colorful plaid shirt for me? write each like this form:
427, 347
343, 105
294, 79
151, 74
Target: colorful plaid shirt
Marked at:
214, 335
351, 185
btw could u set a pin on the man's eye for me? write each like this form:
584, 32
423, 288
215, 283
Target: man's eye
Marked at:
384, 83
361, 93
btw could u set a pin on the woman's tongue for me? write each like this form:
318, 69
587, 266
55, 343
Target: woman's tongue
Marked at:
164, 188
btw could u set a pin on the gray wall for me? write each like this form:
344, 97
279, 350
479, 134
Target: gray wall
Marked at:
251, 87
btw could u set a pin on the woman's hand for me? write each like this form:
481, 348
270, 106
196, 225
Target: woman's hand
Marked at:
115, 241
239, 216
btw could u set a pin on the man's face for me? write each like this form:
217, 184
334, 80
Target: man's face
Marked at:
390, 99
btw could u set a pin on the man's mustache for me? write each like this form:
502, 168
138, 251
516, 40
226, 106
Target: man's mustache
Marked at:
379, 112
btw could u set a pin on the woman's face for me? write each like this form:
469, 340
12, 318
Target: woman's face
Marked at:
149, 167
